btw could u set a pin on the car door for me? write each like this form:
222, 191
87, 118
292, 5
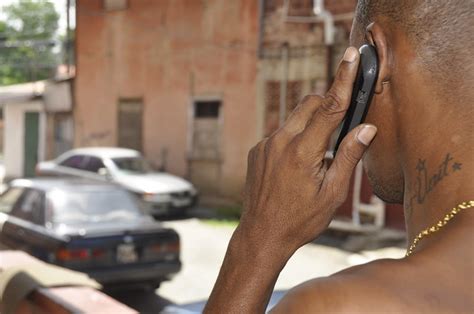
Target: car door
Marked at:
25, 228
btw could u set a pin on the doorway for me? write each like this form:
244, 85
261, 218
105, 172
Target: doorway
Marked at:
130, 124
31, 143
205, 162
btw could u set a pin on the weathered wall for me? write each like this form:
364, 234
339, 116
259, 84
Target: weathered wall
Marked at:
14, 136
168, 52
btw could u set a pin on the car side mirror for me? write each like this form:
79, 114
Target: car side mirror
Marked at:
105, 173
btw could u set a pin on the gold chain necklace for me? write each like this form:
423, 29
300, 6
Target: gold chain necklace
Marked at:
440, 224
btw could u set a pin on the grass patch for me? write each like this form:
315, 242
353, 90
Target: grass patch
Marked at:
224, 216
221, 222
229, 212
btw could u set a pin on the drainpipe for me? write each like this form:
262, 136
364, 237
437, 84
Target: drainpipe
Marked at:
324, 16
261, 26
329, 31
283, 82
68, 39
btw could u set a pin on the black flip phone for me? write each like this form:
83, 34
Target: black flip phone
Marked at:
362, 91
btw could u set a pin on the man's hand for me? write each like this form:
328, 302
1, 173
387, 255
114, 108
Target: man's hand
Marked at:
290, 195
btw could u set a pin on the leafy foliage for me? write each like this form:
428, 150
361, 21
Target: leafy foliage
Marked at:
27, 41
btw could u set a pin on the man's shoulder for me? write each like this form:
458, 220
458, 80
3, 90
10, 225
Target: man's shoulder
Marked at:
354, 290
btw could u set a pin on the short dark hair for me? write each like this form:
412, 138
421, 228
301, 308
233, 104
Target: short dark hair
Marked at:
441, 32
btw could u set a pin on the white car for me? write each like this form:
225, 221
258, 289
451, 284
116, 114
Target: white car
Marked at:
162, 193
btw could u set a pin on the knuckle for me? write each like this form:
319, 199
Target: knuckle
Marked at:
310, 99
333, 104
256, 149
271, 144
277, 141
252, 154
252, 151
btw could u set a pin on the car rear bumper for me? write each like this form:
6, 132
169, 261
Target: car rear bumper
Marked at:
152, 272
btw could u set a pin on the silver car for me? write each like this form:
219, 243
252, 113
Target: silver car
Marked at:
161, 193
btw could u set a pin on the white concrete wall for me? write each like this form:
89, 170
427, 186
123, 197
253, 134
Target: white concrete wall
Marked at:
14, 133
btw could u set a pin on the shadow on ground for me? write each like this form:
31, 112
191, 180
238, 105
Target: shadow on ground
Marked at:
198, 212
143, 301
351, 242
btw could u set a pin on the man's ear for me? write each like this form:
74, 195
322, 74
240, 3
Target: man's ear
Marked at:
376, 37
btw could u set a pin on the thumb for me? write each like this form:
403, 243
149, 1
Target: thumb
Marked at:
349, 154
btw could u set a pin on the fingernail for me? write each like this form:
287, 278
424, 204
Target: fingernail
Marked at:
366, 134
350, 54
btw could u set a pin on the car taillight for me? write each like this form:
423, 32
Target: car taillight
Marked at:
165, 247
73, 254
173, 246
98, 253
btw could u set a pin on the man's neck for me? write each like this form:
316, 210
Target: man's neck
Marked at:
434, 184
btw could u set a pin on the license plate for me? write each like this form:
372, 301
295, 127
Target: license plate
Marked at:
126, 253
181, 202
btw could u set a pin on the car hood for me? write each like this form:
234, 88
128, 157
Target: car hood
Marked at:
143, 224
153, 182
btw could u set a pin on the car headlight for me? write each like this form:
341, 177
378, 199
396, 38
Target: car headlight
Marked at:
156, 197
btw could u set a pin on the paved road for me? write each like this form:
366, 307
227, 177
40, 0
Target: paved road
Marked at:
203, 248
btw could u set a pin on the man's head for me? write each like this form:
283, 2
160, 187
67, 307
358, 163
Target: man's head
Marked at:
424, 49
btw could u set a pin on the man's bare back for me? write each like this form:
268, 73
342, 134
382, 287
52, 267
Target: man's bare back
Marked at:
434, 282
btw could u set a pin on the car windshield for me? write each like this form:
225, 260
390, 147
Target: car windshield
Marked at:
98, 205
132, 164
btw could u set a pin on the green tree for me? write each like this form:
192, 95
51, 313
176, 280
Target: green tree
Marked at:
27, 40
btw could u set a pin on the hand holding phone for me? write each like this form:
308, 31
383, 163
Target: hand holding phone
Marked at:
362, 92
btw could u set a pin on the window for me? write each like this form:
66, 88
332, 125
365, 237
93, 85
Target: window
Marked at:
206, 130
75, 161
92, 206
132, 164
207, 109
93, 164
9, 198
30, 207
130, 124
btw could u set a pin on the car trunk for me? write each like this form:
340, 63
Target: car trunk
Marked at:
117, 245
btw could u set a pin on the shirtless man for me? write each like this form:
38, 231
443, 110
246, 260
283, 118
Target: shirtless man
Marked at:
422, 156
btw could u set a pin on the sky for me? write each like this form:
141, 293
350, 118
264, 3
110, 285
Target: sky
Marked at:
60, 6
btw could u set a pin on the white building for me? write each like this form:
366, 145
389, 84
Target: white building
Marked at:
37, 124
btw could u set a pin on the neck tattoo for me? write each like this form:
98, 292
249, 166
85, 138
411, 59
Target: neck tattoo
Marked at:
426, 181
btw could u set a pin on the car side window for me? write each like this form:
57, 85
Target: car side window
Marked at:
93, 164
75, 161
9, 198
30, 207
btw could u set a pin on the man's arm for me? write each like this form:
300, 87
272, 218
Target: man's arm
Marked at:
290, 194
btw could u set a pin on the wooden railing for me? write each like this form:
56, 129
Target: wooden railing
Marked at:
64, 299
